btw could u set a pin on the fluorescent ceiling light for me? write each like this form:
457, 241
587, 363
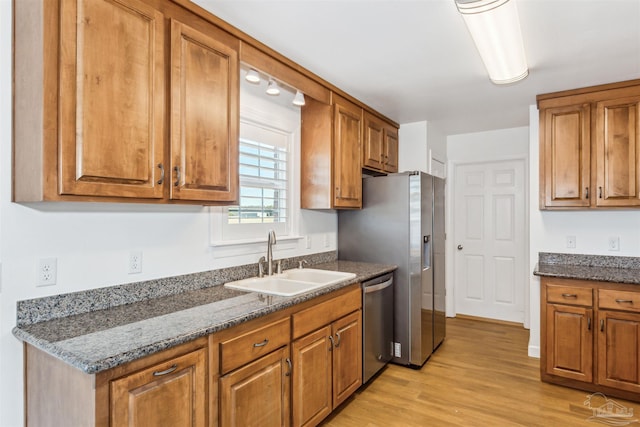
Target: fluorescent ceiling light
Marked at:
298, 99
495, 29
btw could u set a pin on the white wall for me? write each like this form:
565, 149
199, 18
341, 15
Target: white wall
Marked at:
548, 231
422, 148
92, 241
477, 147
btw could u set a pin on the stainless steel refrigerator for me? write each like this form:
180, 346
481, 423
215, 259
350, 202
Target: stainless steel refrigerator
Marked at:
402, 223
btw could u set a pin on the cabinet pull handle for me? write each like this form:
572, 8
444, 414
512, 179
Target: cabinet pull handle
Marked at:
600, 192
339, 338
588, 323
624, 301
601, 325
569, 296
332, 343
261, 344
177, 169
290, 367
166, 371
161, 167
586, 192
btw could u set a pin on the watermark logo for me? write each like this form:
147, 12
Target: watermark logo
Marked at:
608, 411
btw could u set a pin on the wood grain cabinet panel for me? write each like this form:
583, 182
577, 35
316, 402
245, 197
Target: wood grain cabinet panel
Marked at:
172, 393
111, 98
312, 378
347, 357
138, 102
257, 395
327, 369
347, 174
204, 117
618, 151
331, 155
380, 147
569, 338
566, 156
589, 147
619, 350
594, 348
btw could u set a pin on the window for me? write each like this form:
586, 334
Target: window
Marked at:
269, 177
263, 176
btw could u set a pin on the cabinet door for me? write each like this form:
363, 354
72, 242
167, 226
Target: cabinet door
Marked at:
311, 356
617, 152
391, 149
347, 357
619, 350
569, 338
565, 150
373, 154
204, 117
171, 394
111, 108
257, 395
347, 173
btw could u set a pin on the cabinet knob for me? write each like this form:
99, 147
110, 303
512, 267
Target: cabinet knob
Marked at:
332, 343
601, 325
262, 343
460, 247
290, 367
338, 339
586, 192
600, 192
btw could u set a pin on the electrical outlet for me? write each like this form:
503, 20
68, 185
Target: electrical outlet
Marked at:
327, 240
571, 242
614, 243
308, 242
135, 262
47, 271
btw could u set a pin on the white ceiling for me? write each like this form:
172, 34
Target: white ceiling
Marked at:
414, 60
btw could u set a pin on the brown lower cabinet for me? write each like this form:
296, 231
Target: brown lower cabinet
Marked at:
590, 336
306, 359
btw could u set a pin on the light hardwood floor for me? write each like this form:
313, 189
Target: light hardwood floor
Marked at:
480, 376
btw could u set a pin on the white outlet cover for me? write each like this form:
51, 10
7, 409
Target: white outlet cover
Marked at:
47, 272
135, 262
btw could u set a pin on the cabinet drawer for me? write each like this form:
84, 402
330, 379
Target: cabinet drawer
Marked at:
254, 344
315, 317
619, 300
570, 295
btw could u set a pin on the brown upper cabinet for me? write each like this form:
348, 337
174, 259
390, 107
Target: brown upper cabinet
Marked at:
93, 120
331, 155
138, 101
380, 148
589, 147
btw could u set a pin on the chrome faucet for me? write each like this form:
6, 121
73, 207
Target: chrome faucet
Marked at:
271, 240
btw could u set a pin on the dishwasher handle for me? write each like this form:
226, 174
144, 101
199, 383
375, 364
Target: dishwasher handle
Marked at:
378, 287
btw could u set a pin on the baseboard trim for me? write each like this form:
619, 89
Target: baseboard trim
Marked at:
534, 351
488, 320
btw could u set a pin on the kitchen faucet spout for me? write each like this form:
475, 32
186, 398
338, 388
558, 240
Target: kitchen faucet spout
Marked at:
271, 240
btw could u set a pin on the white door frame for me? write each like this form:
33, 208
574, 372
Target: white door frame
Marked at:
450, 244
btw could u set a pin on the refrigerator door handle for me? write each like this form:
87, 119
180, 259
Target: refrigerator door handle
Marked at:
426, 252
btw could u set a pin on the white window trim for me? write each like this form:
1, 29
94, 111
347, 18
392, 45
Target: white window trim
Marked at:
259, 112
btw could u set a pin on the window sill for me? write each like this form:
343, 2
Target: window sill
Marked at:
243, 242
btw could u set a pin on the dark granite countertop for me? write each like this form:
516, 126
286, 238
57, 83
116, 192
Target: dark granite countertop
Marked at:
99, 340
589, 267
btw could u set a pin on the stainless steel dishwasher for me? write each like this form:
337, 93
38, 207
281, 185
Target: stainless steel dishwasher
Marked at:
377, 324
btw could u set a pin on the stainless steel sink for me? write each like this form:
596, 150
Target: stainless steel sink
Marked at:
291, 282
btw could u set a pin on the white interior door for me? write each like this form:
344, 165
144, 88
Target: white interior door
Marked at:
489, 233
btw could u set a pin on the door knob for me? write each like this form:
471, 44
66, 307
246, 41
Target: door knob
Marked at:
459, 247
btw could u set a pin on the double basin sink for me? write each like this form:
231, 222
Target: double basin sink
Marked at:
291, 282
